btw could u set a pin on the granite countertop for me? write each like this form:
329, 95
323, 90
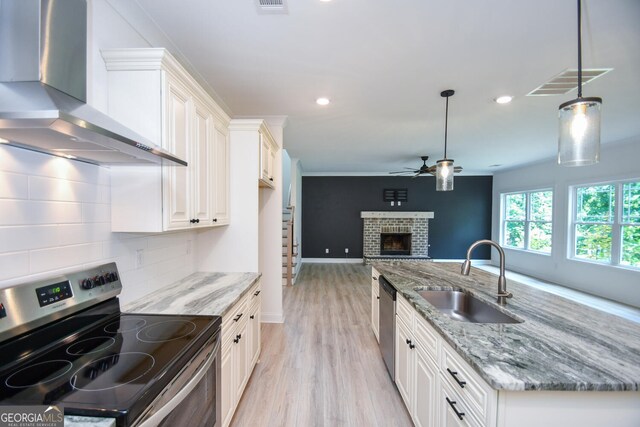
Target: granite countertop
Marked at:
200, 293
561, 345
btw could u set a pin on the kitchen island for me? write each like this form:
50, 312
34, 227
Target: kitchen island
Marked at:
562, 354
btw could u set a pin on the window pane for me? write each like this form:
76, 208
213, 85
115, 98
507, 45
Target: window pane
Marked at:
541, 205
631, 246
540, 236
595, 204
593, 242
515, 206
514, 234
631, 203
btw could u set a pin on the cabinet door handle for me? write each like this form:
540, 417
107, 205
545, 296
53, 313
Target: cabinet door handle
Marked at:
378, 297
412, 346
236, 339
409, 342
270, 179
192, 221
239, 336
454, 374
452, 403
215, 220
256, 293
251, 317
235, 319
198, 221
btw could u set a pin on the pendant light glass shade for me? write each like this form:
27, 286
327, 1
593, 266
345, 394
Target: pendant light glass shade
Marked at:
579, 139
444, 175
444, 167
579, 121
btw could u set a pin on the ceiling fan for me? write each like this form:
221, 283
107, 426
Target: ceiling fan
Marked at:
424, 169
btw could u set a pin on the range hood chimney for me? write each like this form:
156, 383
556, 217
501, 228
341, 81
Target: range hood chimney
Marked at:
43, 90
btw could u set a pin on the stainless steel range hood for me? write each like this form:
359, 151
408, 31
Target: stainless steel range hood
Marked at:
43, 75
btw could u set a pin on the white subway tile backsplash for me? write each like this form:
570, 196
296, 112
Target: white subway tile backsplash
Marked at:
14, 265
25, 212
74, 234
96, 213
13, 186
30, 163
22, 238
43, 188
55, 217
64, 256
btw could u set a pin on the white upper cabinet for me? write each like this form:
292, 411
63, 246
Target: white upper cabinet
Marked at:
268, 151
151, 93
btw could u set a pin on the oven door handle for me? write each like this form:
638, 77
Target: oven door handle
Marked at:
161, 413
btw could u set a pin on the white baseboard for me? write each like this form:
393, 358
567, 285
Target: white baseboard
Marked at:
332, 260
272, 318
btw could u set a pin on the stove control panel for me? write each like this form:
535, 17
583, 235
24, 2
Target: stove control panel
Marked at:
29, 305
99, 280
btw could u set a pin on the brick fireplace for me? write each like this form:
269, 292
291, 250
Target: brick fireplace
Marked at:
396, 234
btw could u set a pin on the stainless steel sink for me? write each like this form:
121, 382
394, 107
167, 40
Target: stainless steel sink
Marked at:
464, 307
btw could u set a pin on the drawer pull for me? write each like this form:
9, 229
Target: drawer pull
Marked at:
235, 319
256, 293
452, 403
454, 374
251, 317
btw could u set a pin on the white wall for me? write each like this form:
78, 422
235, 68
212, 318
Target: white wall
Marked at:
618, 161
235, 247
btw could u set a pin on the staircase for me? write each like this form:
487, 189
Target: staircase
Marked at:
289, 248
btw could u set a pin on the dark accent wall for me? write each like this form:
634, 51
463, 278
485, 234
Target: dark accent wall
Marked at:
331, 209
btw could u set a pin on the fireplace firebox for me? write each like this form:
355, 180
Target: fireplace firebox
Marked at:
395, 243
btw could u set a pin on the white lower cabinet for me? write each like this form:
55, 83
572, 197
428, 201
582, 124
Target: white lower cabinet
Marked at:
375, 303
416, 371
240, 351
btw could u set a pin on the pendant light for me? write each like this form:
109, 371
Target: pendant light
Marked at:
444, 167
579, 119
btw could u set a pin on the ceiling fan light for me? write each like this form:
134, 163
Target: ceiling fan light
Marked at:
444, 175
579, 135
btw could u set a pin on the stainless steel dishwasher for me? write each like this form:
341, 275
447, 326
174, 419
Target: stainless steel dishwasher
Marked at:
387, 324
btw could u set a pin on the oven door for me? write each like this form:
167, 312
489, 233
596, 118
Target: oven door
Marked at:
193, 395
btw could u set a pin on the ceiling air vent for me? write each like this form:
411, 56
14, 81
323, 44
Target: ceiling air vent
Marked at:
567, 81
271, 6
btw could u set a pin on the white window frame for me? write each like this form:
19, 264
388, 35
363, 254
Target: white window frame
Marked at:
616, 225
527, 221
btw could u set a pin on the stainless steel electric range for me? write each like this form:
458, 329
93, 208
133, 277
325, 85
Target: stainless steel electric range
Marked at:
64, 341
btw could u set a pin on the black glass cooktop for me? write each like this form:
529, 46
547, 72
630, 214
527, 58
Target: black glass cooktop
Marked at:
101, 362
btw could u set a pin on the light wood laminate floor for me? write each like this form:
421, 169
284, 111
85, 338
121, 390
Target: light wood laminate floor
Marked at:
322, 367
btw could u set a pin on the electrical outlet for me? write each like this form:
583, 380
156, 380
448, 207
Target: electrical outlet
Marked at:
392, 203
139, 258
346, 250
326, 251
399, 203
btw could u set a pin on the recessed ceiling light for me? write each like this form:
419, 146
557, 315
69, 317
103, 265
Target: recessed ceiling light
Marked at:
504, 99
323, 101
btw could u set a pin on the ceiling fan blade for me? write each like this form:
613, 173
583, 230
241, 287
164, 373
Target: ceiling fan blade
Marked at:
405, 172
457, 169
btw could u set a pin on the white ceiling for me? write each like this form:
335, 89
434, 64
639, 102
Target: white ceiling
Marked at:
384, 63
